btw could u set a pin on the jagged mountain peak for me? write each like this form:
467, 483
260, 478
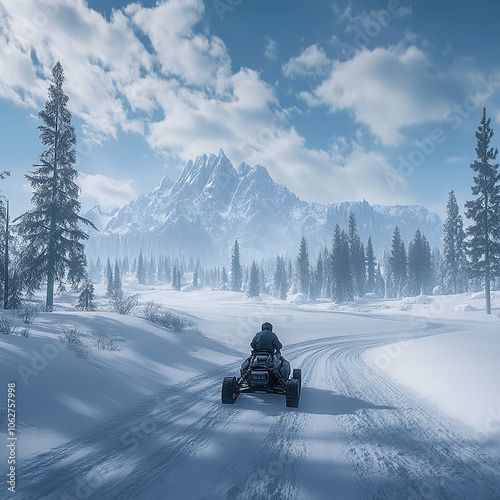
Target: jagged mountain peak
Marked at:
212, 203
163, 187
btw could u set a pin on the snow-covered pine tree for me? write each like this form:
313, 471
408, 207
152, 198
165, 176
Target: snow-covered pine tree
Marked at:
161, 270
125, 266
86, 297
151, 270
224, 279
340, 267
109, 279
52, 233
236, 270
483, 235
195, 278
370, 266
357, 257
420, 276
141, 270
303, 271
454, 272
379, 282
254, 282
262, 280
280, 278
178, 283
318, 278
174, 277
117, 292
326, 288
397, 264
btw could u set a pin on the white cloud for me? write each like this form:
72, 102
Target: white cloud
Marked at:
346, 172
271, 51
386, 89
107, 192
156, 72
312, 61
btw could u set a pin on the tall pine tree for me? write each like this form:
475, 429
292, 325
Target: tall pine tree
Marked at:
370, 266
419, 265
357, 257
303, 271
54, 249
280, 278
340, 267
454, 261
397, 265
141, 270
254, 283
483, 243
236, 270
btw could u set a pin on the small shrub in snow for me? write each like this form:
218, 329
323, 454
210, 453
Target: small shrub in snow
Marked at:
71, 335
359, 305
153, 313
25, 332
385, 306
125, 304
290, 318
405, 306
105, 342
8, 325
29, 312
424, 299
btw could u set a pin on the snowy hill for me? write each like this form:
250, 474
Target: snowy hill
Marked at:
212, 203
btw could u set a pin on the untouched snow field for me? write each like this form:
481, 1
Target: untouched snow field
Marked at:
401, 399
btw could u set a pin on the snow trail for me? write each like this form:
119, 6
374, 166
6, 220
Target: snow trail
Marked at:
355, 435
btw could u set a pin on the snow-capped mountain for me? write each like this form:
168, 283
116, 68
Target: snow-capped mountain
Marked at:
99, 218
212, 203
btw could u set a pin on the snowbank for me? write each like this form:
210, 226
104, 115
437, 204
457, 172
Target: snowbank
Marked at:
456, 372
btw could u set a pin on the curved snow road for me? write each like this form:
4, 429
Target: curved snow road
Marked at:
355, 435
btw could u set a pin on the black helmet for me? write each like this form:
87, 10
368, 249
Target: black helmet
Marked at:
267, 326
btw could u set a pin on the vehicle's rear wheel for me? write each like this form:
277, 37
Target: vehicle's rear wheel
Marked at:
292, 393
297, 375
229, 390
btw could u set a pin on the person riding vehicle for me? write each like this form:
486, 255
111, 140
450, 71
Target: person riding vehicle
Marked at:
267, 340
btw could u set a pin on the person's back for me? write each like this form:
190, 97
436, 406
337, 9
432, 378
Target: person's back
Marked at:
266, 340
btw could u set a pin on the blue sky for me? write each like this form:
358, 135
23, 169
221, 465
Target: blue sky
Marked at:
341, 101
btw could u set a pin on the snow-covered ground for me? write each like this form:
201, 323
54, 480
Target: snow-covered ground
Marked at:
401, 399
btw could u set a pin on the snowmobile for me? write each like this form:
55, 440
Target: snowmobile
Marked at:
260, 376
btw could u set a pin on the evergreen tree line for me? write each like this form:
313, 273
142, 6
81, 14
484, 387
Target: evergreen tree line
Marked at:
45, 245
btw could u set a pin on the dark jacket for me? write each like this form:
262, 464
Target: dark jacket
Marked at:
266, 340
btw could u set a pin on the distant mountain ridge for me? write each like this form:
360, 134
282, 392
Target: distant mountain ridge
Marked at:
212, 203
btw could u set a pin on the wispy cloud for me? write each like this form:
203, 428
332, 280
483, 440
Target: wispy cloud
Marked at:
157, 72
271, 50
386, 89
312, 61
105, 191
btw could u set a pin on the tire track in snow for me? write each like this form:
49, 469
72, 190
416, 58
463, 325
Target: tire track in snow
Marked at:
257, 448
406, 452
